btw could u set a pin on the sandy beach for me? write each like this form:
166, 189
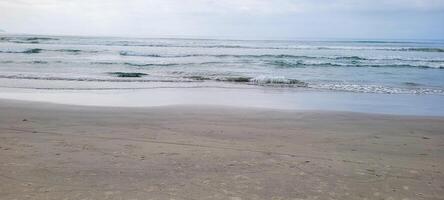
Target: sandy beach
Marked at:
52, 151
221, 100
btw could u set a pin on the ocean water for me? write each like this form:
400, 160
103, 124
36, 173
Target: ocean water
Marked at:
110, 63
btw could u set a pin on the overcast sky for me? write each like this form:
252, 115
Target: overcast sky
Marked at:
243, 19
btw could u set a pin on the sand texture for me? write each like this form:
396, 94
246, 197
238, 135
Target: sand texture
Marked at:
50, 151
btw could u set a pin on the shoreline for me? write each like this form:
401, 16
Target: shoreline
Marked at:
53, 151
46, 104
261, 98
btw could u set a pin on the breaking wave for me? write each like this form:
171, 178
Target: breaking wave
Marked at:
259, 80
374, 89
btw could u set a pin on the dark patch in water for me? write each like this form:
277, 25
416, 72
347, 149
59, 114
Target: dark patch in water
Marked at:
138, 65
150, 64
198, 78
28, 51
284, 64
296, 82
235, 79
293, 82
411, 84
127, 74
26, 40
39, 62
86, 79
129, 53
33, 51
40, 38
350, 58
69, 50
74, 51
134, 64
105, 63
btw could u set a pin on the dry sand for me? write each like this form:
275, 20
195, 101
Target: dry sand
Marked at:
50, 151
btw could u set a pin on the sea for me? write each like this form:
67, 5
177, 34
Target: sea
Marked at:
73, 63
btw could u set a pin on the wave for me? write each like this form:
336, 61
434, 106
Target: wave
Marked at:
128, 43
397, 66
238, 79
38, 62
31, 62
276, 56
52, 78
259, 80
28, 51
69, 50
352, 61
33, 51
132, 53
127, 74
286, 64
198, 78
349, 58
277, 80
276, 63
440, 50
380, 42
40, 38
155, 64
374, 89
195, 46
38, 50
267, 81
150, 64
76, 51
424, 49
27, 40
412, 84
301, 64
105, 63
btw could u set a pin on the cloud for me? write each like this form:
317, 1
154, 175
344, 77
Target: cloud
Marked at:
282, 18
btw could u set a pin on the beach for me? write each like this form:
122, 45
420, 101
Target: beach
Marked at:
221, 100
56, 151
89, 117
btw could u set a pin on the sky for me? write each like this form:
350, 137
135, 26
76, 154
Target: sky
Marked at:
240, 19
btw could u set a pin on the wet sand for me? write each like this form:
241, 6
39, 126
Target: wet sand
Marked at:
50, 151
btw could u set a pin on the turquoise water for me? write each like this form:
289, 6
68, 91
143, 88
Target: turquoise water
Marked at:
98, 63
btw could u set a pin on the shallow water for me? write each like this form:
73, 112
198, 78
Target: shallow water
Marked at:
89, 63
268, 98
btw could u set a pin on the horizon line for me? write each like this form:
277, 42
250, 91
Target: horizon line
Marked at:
232, 38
